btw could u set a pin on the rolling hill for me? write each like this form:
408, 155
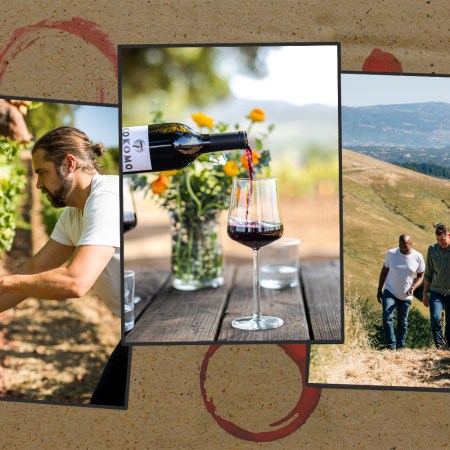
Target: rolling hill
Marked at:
381, 201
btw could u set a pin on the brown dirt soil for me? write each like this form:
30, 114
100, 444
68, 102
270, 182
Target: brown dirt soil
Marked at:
51, 350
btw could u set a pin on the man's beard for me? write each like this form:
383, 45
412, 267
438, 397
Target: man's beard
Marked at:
59, 198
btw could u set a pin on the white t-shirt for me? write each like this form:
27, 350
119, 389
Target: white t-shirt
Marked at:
401, 271
97, 224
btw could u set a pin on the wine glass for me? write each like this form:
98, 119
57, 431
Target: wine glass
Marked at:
129, 213
254, 220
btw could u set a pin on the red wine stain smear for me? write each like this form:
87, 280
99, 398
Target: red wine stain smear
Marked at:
306, 404
25, 37
380, 61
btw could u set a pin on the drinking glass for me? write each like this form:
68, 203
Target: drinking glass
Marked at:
128, 295
129, 213
254, 220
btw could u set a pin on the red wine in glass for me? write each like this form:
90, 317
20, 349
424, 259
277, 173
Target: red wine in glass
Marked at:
129, 207
254, 224
254, 234
129, 220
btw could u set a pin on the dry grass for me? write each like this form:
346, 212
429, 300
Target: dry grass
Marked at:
405, 368
356, 363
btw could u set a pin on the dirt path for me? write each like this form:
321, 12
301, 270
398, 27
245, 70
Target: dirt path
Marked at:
51, 350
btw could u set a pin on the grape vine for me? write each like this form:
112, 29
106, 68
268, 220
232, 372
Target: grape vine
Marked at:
12, 184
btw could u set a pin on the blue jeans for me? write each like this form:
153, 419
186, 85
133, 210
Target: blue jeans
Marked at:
390, 302
437, 303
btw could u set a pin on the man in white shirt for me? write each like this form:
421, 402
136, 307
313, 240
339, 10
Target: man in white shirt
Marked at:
84, 248
397, 276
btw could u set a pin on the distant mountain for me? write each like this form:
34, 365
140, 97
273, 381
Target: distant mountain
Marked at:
417, 125
297, 128
380, 202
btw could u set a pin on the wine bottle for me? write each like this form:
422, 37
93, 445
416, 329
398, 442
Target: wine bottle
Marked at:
171, 146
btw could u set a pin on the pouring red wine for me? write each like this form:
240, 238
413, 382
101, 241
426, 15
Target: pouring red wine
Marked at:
171, 146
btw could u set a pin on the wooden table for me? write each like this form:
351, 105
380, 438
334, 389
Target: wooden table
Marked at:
311, 311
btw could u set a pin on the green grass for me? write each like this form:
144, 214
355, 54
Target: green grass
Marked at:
380, 202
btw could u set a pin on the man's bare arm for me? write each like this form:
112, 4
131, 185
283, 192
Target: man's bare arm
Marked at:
73, 281
383, 275
51, 256
426, 287
418, 281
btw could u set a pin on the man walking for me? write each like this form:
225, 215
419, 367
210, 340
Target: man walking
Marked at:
437, 282
397, 276
84, 248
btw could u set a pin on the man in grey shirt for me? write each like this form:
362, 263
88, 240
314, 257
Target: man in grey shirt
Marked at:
437, 281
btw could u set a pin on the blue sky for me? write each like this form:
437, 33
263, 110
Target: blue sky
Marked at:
100, 123
369, 90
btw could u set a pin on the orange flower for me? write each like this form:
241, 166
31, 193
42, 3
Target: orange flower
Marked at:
257, 115
202, 120
159, 186
231, 169
255, 158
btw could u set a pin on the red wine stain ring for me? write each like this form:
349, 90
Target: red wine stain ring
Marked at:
25, 37
298, 416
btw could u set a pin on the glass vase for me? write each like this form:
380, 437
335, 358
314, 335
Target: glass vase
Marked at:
197, 257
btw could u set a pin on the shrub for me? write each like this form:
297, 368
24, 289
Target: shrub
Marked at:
12, 185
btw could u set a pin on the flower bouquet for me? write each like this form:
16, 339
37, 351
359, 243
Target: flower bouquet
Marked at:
194, 197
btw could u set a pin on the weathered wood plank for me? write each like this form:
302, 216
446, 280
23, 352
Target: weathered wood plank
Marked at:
148, 284
286, 304
182, 317
321, 285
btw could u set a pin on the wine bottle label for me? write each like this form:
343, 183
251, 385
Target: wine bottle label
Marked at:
135, 149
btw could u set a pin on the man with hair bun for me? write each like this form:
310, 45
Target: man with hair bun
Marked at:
437, 283
83, 251
397, 276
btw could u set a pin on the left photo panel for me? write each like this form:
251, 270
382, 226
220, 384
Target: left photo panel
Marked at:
60, 278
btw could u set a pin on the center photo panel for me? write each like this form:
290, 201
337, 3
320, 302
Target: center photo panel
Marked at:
231, 215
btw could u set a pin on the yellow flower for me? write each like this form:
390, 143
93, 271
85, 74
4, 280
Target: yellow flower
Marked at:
159, 186
202, 120
257, 115
168, 173
231, 169
255, 158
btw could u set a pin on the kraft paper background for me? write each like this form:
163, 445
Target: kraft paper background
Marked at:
68, 51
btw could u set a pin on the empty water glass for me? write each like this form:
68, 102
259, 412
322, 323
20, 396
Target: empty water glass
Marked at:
128, 299
279, 264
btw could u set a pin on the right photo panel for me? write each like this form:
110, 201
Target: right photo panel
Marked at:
396, 218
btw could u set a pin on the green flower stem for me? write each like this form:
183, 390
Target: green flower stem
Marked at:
212, 206
180, 218
192, 194
250, 127
189, 255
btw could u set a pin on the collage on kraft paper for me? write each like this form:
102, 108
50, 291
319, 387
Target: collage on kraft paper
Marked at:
170, 401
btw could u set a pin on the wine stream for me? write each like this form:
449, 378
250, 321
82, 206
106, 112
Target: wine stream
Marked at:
248, 153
